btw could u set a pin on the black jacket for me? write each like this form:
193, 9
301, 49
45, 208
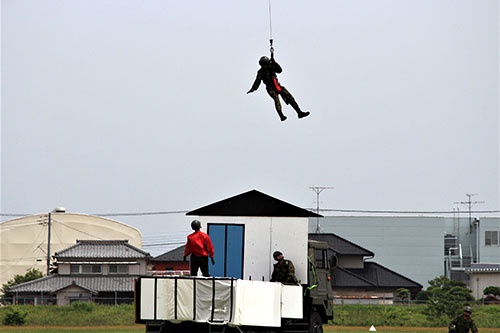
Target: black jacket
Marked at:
267, 75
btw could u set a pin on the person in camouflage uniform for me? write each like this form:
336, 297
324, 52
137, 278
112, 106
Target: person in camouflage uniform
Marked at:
284, 271
463, 323
267, 74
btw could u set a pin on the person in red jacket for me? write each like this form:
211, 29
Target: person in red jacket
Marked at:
199, 246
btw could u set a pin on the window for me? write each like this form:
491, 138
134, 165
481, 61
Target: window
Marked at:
490, 238
118, 269
320, 258
85, 269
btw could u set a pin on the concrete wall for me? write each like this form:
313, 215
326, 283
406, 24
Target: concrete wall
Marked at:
402, 244
64, 269
263, 236
63, 297
23, 241
346, 261
479, 281
133, 269
136, 269
490, 253
357, 296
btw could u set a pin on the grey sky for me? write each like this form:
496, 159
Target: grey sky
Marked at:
140, 106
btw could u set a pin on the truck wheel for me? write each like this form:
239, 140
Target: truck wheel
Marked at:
315, 323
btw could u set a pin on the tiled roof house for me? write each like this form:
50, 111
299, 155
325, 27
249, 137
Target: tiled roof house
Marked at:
171, 261
483, 275
356, 280
91, 270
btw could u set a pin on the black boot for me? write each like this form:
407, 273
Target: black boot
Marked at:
282, 116
300, 113
303, 114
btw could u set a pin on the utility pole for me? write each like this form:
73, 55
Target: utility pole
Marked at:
471, 203
318, 190
48, 244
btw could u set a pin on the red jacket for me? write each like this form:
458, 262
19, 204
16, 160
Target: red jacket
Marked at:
199, 244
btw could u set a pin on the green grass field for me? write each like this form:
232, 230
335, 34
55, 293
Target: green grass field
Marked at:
87, 317
140, 329
29, 329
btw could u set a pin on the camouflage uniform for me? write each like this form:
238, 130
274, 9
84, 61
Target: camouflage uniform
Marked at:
275, 89
462, 325
284, 272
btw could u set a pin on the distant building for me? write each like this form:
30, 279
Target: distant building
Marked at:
443, 245
171, 262
483, 276
23, 241
355, 280
470, 241
101, 271
402, 244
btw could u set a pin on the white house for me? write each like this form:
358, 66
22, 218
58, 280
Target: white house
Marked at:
246, 230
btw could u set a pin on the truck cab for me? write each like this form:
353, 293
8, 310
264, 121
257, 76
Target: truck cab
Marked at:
318, 299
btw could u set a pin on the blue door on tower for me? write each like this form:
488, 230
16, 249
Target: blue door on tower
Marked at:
228, 248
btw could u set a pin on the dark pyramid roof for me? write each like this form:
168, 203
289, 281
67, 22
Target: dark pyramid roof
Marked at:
383, 277
252, 203
341, 245
176, 254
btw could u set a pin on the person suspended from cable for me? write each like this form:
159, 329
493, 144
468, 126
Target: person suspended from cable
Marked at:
267, 74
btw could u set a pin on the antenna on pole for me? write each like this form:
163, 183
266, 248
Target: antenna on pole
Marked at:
471, 203
318, 190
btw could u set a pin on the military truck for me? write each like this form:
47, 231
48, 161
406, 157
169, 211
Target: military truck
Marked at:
222, 304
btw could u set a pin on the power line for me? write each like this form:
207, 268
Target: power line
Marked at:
400, 211
163, 244
114, 214
13, 215
11, 266
83, 232
19, 225
144, 213
316, 188
14, 259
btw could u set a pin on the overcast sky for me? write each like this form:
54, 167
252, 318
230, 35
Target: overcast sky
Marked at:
140, 106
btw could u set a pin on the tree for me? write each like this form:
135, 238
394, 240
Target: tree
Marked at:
402, 295
31, 274
493, 290
423, 295
446, 298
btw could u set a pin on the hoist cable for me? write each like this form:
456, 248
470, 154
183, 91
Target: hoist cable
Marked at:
270, 23
271, 49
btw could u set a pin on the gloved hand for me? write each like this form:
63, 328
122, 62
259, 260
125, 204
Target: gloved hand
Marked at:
185, 258
213, 261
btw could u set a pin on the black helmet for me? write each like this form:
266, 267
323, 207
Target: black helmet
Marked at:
276, 254
196, 225
264, 61
468, 309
